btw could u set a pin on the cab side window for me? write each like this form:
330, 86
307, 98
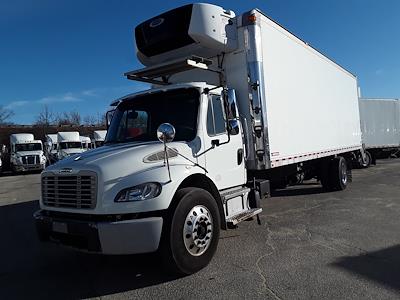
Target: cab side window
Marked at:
215, 116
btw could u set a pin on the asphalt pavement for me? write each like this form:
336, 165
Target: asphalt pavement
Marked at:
311, 245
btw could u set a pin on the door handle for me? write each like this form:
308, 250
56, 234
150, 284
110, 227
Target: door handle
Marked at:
239, 156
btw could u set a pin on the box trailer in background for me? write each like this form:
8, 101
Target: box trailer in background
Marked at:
236, 103
380, 126
26, 153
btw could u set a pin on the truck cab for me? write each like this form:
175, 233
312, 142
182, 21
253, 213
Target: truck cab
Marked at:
99, 137
86, 143
26, 153
163, 145
51, 147
68, 143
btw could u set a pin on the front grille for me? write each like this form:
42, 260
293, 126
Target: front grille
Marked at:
70, 191
30, 159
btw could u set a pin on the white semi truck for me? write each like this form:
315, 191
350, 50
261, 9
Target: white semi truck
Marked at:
51, 147
26, 153
236, 103
99, 137
86, 142
380, 126
69, 143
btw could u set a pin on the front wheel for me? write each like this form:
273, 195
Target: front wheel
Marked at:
190, 237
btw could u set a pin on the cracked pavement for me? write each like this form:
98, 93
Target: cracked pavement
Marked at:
311, 245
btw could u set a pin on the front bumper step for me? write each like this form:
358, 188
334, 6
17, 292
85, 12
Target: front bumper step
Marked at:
121, 237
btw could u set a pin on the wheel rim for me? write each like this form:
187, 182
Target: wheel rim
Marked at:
368, 160
198, 230
343, 173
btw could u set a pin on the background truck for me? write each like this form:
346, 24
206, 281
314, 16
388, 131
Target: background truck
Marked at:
98, 138
237, 103
69, 143
26, 153
380, 126
51, 145
86, 142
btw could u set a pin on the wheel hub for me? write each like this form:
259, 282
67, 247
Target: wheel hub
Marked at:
197, 231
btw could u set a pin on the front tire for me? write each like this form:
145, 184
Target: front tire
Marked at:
191, 236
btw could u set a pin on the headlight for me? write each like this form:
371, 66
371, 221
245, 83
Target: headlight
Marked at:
43, 159
140, 192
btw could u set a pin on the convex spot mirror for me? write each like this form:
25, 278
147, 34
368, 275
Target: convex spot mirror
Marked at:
234, 128
166, 133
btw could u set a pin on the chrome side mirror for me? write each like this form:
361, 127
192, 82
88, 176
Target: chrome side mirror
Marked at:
166, 133
234, 128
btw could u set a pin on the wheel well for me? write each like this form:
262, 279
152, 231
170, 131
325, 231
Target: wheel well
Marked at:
203, 182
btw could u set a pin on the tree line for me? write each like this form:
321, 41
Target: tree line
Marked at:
47, 118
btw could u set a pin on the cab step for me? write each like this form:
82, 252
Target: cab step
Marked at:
233, 193
236, 219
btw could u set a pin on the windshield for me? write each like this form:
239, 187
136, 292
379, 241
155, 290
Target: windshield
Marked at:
28, 147
70, 145
138, 120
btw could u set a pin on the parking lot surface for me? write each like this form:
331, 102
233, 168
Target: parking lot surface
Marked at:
311, 245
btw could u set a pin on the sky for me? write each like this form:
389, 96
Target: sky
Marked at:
71, 55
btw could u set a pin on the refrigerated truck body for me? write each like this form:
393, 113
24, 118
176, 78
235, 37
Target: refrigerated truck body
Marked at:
236, 103
380, 126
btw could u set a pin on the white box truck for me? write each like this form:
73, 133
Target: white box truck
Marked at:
26, 153
236, 102
380, 126
69, 143
99, 137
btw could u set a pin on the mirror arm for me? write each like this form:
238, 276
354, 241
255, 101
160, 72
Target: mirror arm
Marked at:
166, 158
188, 159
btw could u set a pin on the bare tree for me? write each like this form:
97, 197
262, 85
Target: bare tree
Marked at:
5, 114
75, 117
89, 120
101, 119
69, 118
45, 117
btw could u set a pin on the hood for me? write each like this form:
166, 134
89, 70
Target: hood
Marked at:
119, 160
25, 153
72, 151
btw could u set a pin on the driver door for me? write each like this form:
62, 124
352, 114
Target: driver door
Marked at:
224, 163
